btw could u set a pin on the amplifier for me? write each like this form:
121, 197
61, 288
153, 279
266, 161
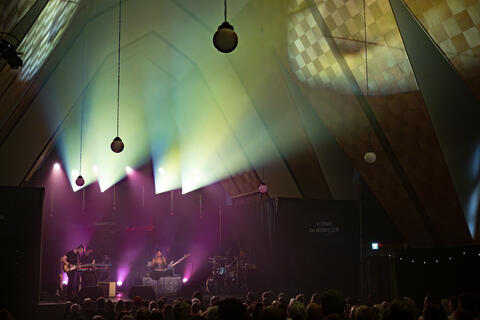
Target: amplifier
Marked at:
109, 288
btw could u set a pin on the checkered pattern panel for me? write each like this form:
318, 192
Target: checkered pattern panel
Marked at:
455, 26
314, 62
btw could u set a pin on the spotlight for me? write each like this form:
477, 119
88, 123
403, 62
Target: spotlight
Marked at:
119, 283
225, 39
117, 145
161, 170
185, 280
56, 166
370, 157
80, 181
95, 168
8, 51
128, 170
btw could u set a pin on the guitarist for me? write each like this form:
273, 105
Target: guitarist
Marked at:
159, 262
70, 260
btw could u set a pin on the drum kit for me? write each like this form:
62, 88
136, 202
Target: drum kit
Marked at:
227, 275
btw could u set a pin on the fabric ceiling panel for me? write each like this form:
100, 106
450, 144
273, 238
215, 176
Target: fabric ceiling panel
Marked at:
455, 28
453, 109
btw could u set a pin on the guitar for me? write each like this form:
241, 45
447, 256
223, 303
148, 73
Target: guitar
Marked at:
70, 267
172, 264
67, 267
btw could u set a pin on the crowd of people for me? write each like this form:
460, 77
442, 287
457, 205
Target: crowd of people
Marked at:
331, 305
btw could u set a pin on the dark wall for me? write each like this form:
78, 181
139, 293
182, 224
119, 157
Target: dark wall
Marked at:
440, 272
376, 223
20, 234
299, 244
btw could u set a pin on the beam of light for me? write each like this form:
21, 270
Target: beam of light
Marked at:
65, 278
56, 166
122, 274
128, 170
99, 113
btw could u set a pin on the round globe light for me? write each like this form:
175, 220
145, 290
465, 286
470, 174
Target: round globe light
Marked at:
117, 145
80, 181
262, 188
225, 38
370, 157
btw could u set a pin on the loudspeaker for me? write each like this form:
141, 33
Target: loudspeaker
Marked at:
146, 292
109, 288
20, 239
91, 292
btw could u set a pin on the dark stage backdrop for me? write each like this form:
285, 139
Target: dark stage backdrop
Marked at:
298, 244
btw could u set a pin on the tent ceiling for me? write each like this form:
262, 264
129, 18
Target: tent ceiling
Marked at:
288, 106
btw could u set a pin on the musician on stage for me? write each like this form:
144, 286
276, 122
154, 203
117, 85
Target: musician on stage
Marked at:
159, 262
88, 277
70, 261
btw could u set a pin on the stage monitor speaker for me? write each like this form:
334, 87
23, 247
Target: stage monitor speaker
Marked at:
91, 292
146, 292
109, 288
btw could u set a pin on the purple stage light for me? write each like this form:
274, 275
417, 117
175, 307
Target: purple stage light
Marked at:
65, 279
56, 166
119, 283
184, 280
128, 170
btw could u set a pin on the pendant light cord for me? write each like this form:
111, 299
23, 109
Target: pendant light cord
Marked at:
365, 35
83, 100
118, 63
370, 148
225, 9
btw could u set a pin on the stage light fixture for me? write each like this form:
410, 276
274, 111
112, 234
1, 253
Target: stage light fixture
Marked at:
161, 170
225, 38
80, 181
119, 283
128, 170
185, 280
56, 166
8, 51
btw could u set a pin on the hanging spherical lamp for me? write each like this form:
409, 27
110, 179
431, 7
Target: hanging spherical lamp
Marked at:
117, 145
80, 181
225, 38
262, 188
370, 157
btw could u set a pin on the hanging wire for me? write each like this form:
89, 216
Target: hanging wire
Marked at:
365, 35
83, 101
118, 62
366, 63
225, 9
